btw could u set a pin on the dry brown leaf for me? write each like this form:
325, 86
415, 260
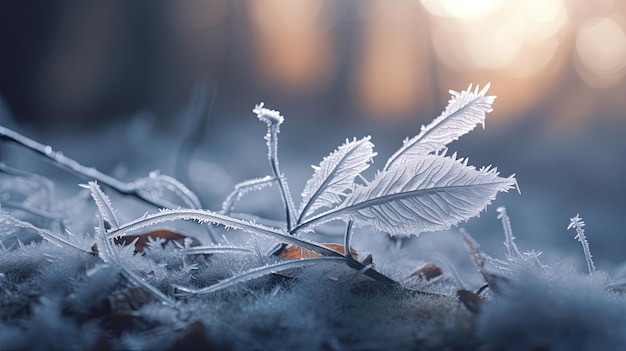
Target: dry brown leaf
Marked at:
293, 252
470, 300
142, 239
428, 272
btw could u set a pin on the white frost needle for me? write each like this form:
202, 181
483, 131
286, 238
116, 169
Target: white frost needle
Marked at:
509, 243
577, 223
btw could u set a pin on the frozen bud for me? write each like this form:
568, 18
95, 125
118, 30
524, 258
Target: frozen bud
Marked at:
271, 117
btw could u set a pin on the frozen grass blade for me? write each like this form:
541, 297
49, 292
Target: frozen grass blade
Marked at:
509, 243
577, 223
46, 184
109, 255
55, 238
347, 239
243, 188
136, 189
205, 216
156, 183
258, 273
62, 161
208, 250
105, 208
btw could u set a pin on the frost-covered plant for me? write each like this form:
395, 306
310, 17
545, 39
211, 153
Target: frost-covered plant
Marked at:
420, 189
267, 277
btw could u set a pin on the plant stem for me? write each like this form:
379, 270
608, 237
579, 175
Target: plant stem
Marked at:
272, 135
90, 173
61, 161
347, 238
577, 223
509, 242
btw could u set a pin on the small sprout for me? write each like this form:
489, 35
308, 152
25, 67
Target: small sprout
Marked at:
578, 224
271, 117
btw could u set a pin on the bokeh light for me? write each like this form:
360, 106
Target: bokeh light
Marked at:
376, 60
462, 9
601, 50
393, 67
293, 41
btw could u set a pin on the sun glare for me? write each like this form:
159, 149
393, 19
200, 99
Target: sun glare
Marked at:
462, 9
601, 51
500, 39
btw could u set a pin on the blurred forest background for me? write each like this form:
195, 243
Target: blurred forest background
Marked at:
105, 82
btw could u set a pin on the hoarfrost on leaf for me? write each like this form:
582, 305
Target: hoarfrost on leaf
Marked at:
335, 175
465, 110
426, 194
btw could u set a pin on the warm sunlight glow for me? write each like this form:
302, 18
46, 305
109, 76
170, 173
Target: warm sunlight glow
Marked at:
462, 9
503, 39
293, 41
601, 49
540, 19
393, 64
518, 44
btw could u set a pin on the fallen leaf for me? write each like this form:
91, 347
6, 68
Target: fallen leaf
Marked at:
428, 272
293, 252
142, 239
470, 300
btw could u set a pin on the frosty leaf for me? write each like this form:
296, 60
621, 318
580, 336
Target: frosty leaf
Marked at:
335, 175
103, 203
464, 111
427, 194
